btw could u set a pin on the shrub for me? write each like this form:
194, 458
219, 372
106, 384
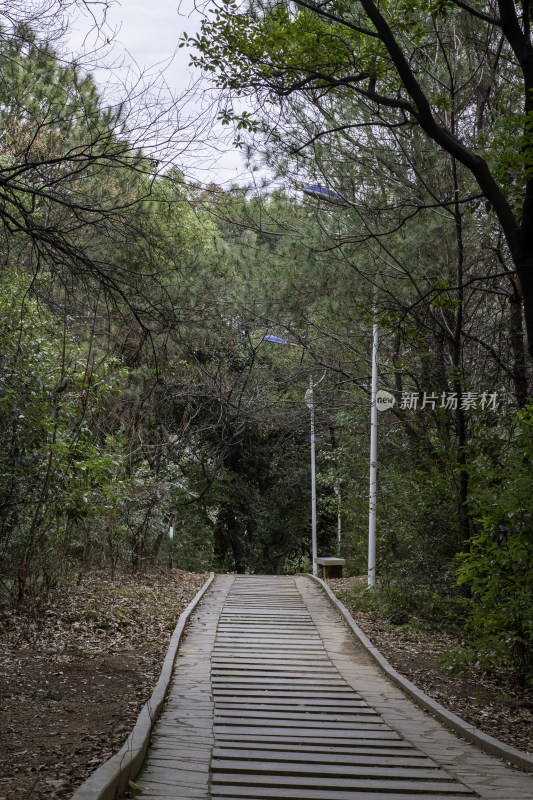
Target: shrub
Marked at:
498, 569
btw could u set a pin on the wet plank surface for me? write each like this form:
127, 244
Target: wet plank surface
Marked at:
286, 723
273, 697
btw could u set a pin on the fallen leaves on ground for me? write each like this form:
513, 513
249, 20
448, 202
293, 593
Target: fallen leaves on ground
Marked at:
74, 678
492, 700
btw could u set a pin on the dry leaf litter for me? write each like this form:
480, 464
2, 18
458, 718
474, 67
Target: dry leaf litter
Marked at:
491, 699
74, 678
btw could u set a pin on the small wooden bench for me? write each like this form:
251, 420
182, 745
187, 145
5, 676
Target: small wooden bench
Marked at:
330, 567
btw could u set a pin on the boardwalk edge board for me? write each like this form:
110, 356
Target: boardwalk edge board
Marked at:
110, 780
450, 720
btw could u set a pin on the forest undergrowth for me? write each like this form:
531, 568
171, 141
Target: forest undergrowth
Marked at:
75, 674
493, 699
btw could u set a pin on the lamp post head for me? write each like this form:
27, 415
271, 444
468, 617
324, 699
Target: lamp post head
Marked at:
271, 338
323, 193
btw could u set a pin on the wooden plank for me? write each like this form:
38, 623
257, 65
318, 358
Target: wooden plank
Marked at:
292, 661
290, 708
239, 683
290, 658
339, 695
369, 721
330, 757
279, 632
247, 649
270, 618
311, 715
280, 620
268, 632
275, 676
342, 744
320, 771
255, 652
305, 700
277, 668
324, 676
246, 646
443, 787
275, 625
267, 793
291, 642
261, 656
308, 733
175, 793
396, 748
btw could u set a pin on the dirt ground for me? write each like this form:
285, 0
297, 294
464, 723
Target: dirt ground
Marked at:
492, 700
73, 679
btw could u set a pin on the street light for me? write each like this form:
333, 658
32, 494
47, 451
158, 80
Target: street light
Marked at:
331, 196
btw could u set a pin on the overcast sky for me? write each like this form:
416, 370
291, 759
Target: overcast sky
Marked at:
147, 34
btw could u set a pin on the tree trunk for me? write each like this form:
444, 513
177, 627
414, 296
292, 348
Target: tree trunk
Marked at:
524, 266
520, 373
464, 515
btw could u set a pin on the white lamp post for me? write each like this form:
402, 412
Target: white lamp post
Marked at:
339, 519
309, 401
331, 196
372, 493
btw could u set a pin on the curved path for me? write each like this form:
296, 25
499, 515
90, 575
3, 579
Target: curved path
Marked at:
274, 697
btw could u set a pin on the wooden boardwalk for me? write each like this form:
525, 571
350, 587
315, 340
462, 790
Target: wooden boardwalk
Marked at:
273, 698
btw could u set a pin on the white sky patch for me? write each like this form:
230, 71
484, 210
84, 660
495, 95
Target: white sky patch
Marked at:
145, 53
